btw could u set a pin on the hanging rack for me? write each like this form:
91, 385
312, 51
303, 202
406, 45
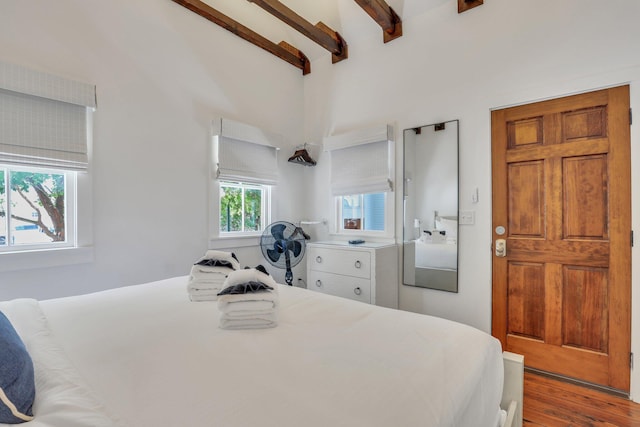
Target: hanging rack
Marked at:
302, 157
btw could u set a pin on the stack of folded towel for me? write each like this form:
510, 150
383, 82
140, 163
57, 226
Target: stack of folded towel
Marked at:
209, 273
249, 300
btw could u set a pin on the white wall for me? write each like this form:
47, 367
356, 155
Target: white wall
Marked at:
162, 74
449, 66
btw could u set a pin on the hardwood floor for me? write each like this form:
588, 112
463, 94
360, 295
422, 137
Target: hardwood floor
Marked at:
550, 403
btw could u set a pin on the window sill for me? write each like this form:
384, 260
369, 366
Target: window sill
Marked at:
27, 260
234, 241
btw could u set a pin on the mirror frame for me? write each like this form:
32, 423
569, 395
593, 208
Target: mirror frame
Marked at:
440, 275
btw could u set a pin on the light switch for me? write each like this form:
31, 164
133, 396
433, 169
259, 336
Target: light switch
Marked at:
467, 217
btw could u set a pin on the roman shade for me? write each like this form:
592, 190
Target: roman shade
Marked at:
245, 153
361, 161
43, 119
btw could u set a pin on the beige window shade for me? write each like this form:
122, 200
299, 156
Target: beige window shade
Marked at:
245, 153
362, 161
43, 119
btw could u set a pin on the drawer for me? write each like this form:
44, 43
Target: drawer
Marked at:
353, 288
340, 261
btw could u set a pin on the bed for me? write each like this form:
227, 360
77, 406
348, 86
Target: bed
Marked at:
146, 356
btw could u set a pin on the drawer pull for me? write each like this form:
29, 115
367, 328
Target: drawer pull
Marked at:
319, 259
318, 283
357, 291
358, 264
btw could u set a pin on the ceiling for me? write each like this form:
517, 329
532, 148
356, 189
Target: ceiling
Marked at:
346, 17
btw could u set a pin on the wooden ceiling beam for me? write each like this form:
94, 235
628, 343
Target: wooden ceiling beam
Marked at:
464, 5
282, 50
319, 33
385, 16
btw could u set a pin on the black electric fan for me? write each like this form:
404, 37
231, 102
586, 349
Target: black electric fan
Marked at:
283, 245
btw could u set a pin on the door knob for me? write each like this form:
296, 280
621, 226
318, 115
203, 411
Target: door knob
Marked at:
501, 247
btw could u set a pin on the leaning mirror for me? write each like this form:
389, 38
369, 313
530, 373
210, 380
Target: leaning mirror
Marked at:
430, 247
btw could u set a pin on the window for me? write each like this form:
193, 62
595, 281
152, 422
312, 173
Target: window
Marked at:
362, 212
246, 171
369, 214
36, 207
362, 167
243, 207
45, 121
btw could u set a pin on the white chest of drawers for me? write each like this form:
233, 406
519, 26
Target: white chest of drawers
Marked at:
367, 272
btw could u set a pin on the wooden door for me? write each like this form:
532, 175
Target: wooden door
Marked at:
562, 193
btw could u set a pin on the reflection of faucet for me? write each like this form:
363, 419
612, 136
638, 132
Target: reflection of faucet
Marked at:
435, 220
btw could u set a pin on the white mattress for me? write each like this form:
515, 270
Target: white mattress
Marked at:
145, 356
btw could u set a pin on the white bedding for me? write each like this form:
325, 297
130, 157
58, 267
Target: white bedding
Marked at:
437, 255
145, 356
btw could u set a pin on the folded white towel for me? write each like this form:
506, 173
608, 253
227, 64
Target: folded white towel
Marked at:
246, 303
204, 288
239, 302
249, 322
250, 310
198, 285
210, 283
198, 278
205, 272
222, 256
250, 275
245, 307
203, 297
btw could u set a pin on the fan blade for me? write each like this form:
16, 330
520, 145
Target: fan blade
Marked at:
295, 247
273, 254
277, 231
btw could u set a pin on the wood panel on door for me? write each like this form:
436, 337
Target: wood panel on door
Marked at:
562, 192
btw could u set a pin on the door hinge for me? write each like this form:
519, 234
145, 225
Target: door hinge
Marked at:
631, 360
630, 116
631, 238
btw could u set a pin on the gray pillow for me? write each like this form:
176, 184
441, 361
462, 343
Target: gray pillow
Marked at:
17, 385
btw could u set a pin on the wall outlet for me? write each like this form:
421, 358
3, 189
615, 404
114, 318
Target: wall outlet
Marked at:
467, 217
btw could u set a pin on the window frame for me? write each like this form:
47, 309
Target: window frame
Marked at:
264, 207
46, 257
70, 182
220, 239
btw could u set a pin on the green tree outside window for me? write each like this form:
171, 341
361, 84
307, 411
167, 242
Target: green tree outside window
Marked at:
44, 194
240, 208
